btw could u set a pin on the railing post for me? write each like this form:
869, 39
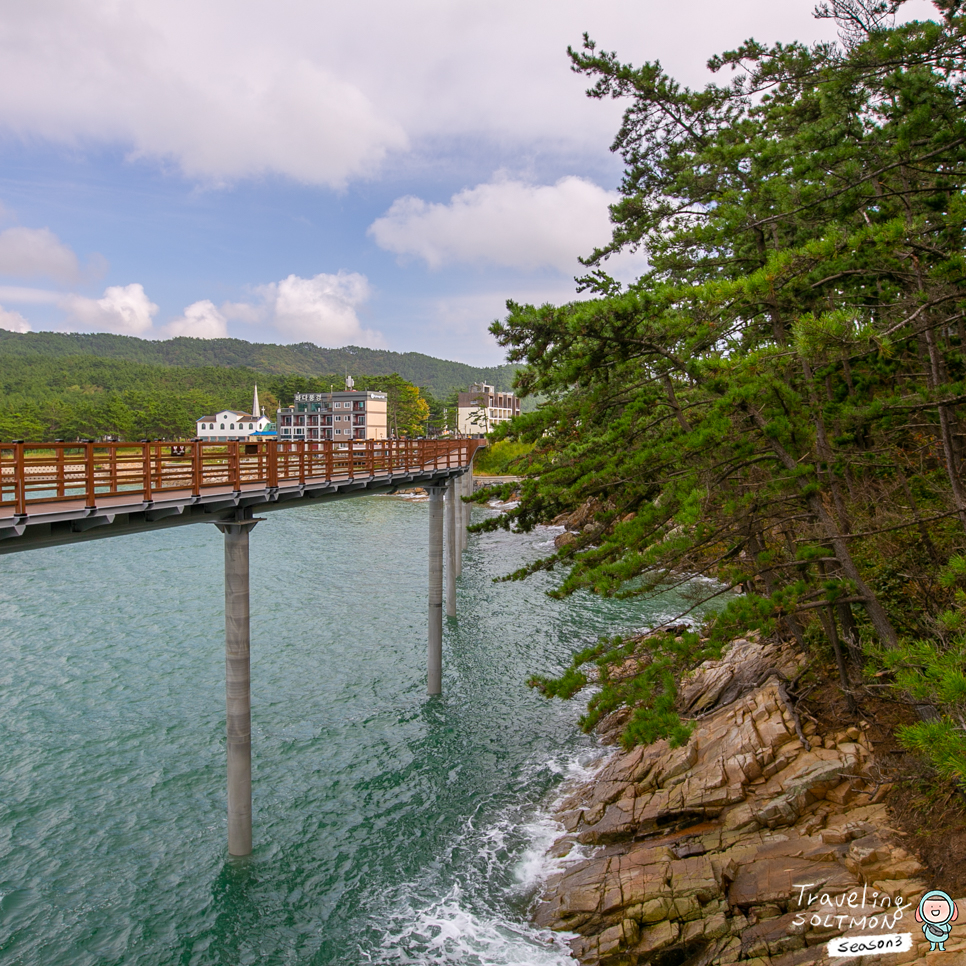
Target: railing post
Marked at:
89, 464
112, 449
197, 467
434, 677
234, 464
61, 471
20, 478
238, 702
272, 445
146, 487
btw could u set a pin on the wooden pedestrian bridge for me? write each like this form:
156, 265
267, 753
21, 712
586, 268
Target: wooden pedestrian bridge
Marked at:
58, 493
55, 493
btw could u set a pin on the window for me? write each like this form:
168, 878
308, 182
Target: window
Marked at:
232, 426
250, 426
222, 425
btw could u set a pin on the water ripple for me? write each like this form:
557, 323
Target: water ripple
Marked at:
389, 828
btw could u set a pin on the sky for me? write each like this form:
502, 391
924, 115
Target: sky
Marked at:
374, 173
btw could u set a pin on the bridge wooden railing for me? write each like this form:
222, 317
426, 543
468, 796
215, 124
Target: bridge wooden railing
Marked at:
86, 474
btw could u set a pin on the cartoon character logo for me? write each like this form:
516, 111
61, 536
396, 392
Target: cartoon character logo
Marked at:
936, 912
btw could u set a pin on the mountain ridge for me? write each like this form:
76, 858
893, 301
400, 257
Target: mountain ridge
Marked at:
438, 376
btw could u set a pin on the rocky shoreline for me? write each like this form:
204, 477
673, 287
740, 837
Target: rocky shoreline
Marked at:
757, 843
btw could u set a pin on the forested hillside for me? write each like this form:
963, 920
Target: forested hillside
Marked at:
778, 402
70, 397
438, 376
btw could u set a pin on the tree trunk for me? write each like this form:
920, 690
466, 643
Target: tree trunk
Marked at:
880, 620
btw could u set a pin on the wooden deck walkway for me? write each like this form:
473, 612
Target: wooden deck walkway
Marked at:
54, 493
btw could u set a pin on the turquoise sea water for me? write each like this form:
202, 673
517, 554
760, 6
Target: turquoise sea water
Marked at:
389, 827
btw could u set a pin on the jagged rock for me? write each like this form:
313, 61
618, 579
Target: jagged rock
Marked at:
564, 539
747, 664
742, 847
579, 518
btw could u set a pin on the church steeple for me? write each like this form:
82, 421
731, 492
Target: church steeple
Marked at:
255, 407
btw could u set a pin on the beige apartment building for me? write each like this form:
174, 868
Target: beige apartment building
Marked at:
340, 416
482, 408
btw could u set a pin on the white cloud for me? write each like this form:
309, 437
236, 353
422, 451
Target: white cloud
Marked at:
201, 320
32, 252
505, 222
13, 321
224, 89
321, 309
30, 296
240, 312
324, 92
124, 309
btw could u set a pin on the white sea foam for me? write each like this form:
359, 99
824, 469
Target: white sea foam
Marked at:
536, 864
544, 532
499, 505
449, 933
475, 924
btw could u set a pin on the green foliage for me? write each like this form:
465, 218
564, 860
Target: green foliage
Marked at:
502, 458
566, 686
82, 396
932, 672
941, 743
776, 403
637, 673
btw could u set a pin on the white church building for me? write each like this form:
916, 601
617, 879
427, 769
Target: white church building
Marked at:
233, 424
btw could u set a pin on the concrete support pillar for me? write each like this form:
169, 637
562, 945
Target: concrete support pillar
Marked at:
457, 526
238, 686
452, 546
434, 677
467, 479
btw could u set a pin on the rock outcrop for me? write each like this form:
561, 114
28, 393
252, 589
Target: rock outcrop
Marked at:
755, 843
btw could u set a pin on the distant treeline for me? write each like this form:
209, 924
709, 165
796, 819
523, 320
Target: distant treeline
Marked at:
438, 376
46, 397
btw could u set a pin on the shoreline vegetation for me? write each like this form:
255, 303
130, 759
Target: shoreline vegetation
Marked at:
775, 406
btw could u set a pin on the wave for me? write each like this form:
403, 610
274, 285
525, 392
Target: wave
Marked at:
482, 919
